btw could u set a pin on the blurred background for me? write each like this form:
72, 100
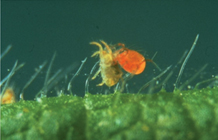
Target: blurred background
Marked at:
36, 29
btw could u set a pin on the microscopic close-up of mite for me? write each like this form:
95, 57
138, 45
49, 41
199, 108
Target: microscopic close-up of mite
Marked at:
130, 60
109, 69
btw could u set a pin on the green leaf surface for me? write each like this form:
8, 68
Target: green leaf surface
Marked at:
191, 114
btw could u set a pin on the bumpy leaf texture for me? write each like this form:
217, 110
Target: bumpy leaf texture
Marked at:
191, 114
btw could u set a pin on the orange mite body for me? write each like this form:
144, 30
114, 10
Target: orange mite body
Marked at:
8, 96
130, 60
109, 69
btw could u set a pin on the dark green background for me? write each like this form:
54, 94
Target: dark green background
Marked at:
38, 28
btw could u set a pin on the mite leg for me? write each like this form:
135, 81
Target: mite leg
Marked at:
97, 44
121, 44
101, 84
95, 53
96, 74
106, 45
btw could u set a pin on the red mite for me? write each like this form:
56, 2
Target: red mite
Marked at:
130, 60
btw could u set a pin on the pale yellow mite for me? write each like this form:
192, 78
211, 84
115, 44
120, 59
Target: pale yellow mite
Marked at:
109, 69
